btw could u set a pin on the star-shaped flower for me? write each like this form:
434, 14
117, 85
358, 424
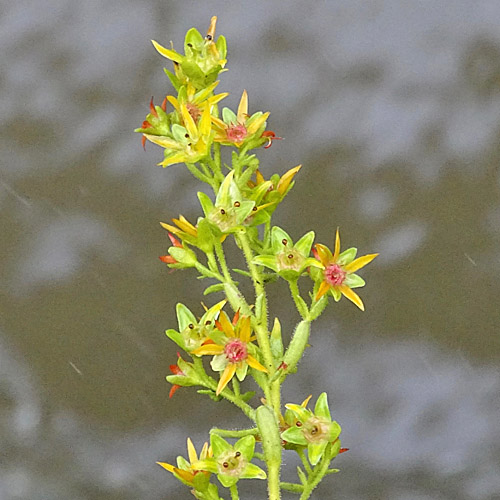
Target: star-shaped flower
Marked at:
337, 275
231, 349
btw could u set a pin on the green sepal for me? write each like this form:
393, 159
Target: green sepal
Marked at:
337, 294
218, 287
335, 449
221, 45
201, 482
179, 133
315, 451
206, 238
219, 445
246, 446
182, 380
176, 337
294, 435
277, 237
253, 471
321, 408
193, 38
347, 256
241, 371
228, 116
267, 261
227, 481
173, 79
305, 243
183, 255
184, 316
354, 281
209, 464
242, 272
194, 73
206, 203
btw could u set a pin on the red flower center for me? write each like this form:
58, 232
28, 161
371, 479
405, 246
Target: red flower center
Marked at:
236, 351
334, 275
236, 133
194, 111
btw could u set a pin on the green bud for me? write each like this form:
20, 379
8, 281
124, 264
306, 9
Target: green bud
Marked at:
297, 345
267, 423
183, 255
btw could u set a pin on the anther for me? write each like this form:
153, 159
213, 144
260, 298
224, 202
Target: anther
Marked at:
191, 326
237, 204
222, 211
284, 241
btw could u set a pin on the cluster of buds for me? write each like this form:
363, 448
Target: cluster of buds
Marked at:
192, 130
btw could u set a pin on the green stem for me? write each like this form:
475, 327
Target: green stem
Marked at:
305, 462
199, 175
319, 472
234, 492
234, 434
293, 487
299, 301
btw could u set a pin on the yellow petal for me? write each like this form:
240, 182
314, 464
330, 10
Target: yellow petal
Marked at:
255, 364
186, 226
352, 296
169, 54
226, 376
208, 349
164, 142
218, 123
227, 327
306, 401
324, 254
205, 451
193, 457
337, 246
170, 228
359, 263
243, 108
257, 123
172, 160
173, 101
285, 180
245, 330
189, 123
205, 125
168, 467
323, 288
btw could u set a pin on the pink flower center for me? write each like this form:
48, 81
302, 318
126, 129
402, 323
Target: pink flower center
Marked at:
236, 351
236, 133
194, 111
334, 275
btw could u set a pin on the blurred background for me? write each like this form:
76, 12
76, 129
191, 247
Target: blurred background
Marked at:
392, 107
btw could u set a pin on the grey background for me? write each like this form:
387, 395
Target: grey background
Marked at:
392, 106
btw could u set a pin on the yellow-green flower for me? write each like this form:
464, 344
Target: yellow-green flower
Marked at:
232, 349
185, 471
241, 128
337, 275
186, 144
195, 101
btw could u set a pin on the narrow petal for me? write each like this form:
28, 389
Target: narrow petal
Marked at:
360, 262
255, 364
286, 179
324, 254
211, 28
168, 467
226, 376
164, 142
205, 122
337, 246
189, 123
225, 325
186, 226
323, 288
306, 401
257, 123
193, 457
352, 296
208, 349
169, 54
243, 107
245, 330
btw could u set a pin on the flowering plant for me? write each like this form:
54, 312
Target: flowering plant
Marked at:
245, 347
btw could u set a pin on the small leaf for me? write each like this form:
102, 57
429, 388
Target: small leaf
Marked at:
218, 287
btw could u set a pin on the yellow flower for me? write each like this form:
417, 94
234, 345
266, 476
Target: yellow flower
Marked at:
185, 470
240, 128
338, 276
231, 350
188, 143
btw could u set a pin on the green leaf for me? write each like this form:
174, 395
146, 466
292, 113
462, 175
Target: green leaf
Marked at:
276, 340
302, 476
218, 287
267, 261
206, 203
247, 396
206, 238
176, 337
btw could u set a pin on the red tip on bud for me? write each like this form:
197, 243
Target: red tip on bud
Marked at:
236, 317
173, 390
174, 240
282, 366
271, 136
143, 142
152, 108
168, 259
343, 450
164, 104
